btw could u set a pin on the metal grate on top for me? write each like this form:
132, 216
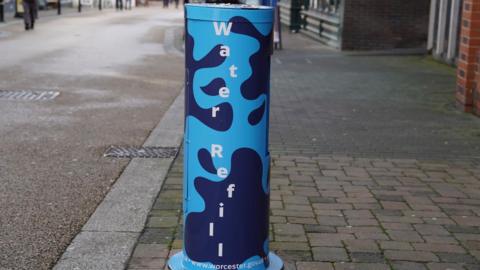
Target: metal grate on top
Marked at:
141, 152
28, 95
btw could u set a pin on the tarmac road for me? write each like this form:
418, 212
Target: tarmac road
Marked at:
117, 73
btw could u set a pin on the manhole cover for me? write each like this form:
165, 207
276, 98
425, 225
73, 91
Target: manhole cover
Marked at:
141, 152
28, 95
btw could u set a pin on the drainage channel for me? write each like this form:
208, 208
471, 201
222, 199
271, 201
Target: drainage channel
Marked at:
27, 95
141, 152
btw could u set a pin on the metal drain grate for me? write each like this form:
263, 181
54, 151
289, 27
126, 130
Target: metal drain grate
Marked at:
142, 152
28, 95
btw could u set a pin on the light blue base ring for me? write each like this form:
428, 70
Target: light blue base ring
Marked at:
175, 263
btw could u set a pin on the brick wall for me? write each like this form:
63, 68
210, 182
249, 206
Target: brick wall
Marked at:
385, 24
476, 86
469, 47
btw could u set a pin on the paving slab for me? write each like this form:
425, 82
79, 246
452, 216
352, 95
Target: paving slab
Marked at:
361, 176
98, 250
117, 76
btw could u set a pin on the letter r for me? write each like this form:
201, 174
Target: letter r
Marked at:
217, 150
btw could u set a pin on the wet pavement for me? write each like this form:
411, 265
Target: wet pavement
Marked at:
372, 167
367, 105
117, 73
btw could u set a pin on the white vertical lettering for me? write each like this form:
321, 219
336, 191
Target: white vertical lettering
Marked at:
220, 249
214, 111
222, 28
220, 210
230, 190
222, 172
217, 150
210, 233
224, 92
224, 51
232, 69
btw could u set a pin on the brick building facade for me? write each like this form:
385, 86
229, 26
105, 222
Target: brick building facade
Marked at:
468, 82
382, 24
449, 28
360, 24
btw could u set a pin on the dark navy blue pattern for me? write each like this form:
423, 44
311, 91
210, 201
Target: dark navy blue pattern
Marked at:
256, 115
212, 88
259, 82
244, 228
206, 161
223, 120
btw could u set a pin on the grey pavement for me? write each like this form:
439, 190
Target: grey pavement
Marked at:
366, 105
107, 239
52, 13
372, 167
115, 85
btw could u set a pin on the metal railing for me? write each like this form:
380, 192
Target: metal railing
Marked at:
321, 20
324, 6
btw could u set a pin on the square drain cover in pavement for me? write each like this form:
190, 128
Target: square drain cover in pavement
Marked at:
28, 95
141, 152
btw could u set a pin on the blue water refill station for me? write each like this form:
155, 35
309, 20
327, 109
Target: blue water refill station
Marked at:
227, 163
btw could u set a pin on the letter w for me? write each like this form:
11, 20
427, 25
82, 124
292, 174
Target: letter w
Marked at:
222, 28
